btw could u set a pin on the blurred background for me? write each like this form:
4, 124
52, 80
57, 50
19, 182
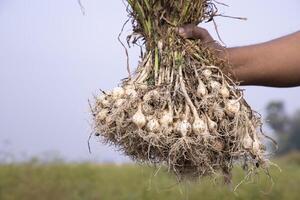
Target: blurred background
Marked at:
54, 55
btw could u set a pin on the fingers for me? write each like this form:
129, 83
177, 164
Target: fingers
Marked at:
194, 32
191, 31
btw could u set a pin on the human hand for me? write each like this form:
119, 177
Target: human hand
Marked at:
275, 63
191, 31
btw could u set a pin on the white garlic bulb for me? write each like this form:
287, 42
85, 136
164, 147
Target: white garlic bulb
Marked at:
153, 94
201, 90
130, 92
166, 118
247, 141
153, 125
102, 115
232, 107
109, 119
139, 118
117, 92
119, 102
225, 92
105, 103
199, 126
184, 127
101, 98
256, 145
143, 86
215, 85
211, 124
207, 73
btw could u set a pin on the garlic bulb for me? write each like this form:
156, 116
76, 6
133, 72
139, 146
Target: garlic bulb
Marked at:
199, 127
232, 107
117, 92
153, 125
153, 94
207, 73
247, 141
102, 115
119, 103
184, 127
139, 118
175, 126
131, 93
166, 118
211, 124
101, 98
256, 145
105, 103
225, 92
143, 86
129, 90
109, 119
215, 85
201, 90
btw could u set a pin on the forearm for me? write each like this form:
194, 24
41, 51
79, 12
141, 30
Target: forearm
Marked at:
275, 63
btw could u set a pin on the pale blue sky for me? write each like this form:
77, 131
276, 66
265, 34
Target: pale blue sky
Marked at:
52, 58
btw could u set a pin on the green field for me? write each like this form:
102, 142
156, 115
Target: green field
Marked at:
58, 181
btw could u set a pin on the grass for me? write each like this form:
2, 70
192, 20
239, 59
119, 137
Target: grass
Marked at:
60, 181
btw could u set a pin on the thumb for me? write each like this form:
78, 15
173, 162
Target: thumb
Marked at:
194, 32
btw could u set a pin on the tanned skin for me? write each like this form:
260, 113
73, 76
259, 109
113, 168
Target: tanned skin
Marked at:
275, 63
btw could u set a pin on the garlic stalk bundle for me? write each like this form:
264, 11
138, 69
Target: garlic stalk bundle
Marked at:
180, 106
